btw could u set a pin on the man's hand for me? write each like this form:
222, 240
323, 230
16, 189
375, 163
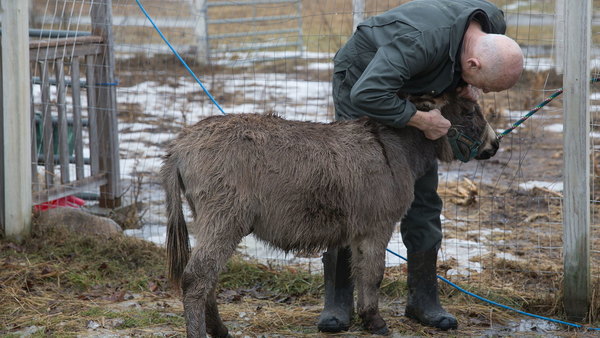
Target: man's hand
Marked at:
432, 123
469, 92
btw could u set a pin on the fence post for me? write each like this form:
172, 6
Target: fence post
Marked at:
201, 31
300, 40
358, 12
576, 208
16, 128
106, 107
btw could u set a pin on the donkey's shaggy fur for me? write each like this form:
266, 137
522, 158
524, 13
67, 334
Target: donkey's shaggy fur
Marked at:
299, 186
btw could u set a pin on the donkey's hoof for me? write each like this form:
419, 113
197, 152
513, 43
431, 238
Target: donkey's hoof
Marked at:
382, 331
221, 332
377, 326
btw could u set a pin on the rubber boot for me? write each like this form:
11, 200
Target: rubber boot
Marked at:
423, 302
339, 289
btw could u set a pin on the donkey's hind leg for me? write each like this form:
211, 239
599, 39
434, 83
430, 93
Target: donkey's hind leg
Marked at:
200, 278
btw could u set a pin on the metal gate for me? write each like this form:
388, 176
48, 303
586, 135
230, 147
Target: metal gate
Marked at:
258, 29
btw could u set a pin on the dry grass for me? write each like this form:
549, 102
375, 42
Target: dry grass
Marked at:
58, 281
69, 285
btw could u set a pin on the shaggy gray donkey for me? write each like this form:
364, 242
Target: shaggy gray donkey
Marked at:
300, 187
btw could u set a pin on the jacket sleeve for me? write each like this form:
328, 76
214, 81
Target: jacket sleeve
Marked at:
393, 64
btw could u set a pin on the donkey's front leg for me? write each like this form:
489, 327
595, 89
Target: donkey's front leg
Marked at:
368, 262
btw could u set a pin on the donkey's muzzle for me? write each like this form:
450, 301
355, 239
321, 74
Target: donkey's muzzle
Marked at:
489, 150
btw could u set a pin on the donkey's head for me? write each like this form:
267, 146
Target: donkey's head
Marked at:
470, 135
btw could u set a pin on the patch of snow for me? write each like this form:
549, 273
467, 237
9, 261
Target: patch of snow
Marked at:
553, 186
556, 128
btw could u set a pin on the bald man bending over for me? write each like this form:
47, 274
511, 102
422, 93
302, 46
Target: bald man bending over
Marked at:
421, 47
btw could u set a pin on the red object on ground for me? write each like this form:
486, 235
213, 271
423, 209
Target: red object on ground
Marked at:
67, 201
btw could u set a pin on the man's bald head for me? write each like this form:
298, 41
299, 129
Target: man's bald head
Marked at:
501, 58
492, 62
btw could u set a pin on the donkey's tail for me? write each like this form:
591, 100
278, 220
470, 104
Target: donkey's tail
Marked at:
178, 244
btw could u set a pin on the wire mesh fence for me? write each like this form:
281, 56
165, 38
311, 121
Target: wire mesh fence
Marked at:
502, 217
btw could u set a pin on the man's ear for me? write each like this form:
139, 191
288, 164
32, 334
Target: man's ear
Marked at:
473, 63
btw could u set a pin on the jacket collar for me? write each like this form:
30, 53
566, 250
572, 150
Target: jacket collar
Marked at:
458, 31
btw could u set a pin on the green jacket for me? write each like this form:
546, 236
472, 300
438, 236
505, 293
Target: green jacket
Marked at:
413, 49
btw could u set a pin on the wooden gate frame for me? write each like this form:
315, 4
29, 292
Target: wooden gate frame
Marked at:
98, 52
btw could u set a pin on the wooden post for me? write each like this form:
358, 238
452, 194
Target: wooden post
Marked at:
201, 31
106, 108
16, 132
90, 61
300, 40
63, 145
559, 41
48, 132
576, 209
358, 12
77, 125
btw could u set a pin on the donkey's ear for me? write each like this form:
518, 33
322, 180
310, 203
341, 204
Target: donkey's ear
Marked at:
426, 102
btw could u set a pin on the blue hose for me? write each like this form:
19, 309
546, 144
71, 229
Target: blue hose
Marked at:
179, 57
